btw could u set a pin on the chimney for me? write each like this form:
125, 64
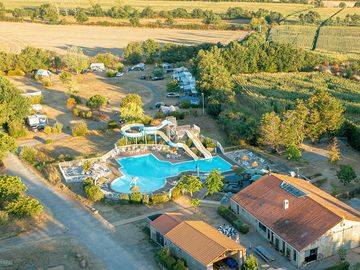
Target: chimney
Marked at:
286, 204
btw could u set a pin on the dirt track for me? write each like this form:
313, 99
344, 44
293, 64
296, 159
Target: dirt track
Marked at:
93, 39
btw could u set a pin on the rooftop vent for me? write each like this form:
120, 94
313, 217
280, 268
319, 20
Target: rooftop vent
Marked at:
285, 204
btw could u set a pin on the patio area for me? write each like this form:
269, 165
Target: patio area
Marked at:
247, 159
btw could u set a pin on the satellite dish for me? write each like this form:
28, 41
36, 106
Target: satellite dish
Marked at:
292, 174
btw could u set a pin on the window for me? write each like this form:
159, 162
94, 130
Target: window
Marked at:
311, 255
262, 227
294, 255
237, 209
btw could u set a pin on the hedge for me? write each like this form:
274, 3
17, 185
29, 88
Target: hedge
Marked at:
352, 132
341, 266
233, 219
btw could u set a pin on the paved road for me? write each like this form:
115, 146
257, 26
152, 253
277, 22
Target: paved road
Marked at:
77, 221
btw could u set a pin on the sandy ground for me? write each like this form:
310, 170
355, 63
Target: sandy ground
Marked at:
94, 39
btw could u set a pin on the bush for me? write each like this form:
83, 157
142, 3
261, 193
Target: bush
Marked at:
47, 83
47, 130
346, 174
57, 128
135, 197
233, 219
16, 72
88, 181
36, 99
71, 103
17, 130
175, 193
112, 124
24, 206
185, 104
48, 141
159, 198
76, 112
124, 198
30, 155
94, 192
80, 129
341, 266
145, 199
111, 73
52, 174
4, 218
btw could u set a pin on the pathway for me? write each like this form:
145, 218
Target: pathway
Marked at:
78, 221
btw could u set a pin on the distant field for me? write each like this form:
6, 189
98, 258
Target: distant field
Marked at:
94, 39
340, 39
286, 9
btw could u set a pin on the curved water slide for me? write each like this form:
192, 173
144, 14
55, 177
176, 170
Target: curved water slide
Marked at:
198, 144
155, 130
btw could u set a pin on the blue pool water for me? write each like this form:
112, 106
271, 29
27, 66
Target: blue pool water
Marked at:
152, 172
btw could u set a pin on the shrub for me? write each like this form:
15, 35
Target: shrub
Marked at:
340, 266
57, 128
88, 115
94, 192
77, 99
88, 181
47, 130
16, 72
48, 141
111, 73
30, 155
145, 199
24, 206
4, 218
71, 103
75, 112
112, 124
80, 129
175, 193
124, 198
159, 198
36, 99
135, 197
346, 174
17, 130
47, 83
52, 174
185, 104
233, 219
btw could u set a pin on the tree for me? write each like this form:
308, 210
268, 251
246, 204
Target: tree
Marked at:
7, 144
211, 18
131, 98
334, 150
96, 102
151, 50
342, 5
190, 184
357, 4
75, 59
93, 192
65, 77
2, 10
134, 21
108, 59
96, 10
148, 12
131, 111
11, 188
87, 166
346, 174
195, 203
133, 53
13, 106
24, 206
325, 115
293, 152
31, 59
251, 263
73, 88
270, 133
214, 182
173, 86
80, 15
49, 13
18, 13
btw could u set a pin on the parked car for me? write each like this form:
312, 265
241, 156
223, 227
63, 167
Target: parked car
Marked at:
157, 78
143, 77
122, 121
159, 104
119, 74
173, 95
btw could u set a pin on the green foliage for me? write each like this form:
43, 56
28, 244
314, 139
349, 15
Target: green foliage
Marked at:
214, 182
81, 15
111, 73
346, 174
124, 198
109, 60
57, 128
270, 133
195, 203
145, 199
233, 219
48, 13
159, 198
293, 152
133, 53
151, 50
190, 183
47, 130
211, 18
93, 192
7, 144
251, 263
87, 166
75, 59
48, 141
158, 72
340, 266
134, 21
14, 107
131, 107
112, 124
65, 77
87, 181
16, 72
342, 253
334, 150
31, 59
135, 197
79, 129
17, 130
24, 206
173, 86
96, 102
11, 189
169, 261
352, 132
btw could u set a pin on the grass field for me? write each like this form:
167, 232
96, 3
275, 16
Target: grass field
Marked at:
163, 5
332, 39
267, 89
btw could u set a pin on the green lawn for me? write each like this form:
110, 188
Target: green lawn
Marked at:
163, 5
267, 91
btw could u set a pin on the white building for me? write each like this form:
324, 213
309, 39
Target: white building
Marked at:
99, 67
300, 220
43, 73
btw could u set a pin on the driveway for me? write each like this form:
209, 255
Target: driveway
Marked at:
77, 221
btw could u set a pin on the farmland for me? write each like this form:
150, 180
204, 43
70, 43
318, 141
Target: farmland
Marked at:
94, 39
164, 5
277, 90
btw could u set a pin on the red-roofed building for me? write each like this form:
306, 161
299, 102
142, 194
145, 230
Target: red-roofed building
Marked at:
301, 221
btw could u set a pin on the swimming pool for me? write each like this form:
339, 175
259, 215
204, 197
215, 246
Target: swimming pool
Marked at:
152, 172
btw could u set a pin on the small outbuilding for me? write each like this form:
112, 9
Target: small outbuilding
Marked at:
99, 67
200, 245
43, 73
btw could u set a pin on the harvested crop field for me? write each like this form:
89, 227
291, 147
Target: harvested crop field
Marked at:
94, 39
157, 5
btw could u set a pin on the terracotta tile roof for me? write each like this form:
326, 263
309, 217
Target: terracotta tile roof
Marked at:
307, 218
201, 241
167, 222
